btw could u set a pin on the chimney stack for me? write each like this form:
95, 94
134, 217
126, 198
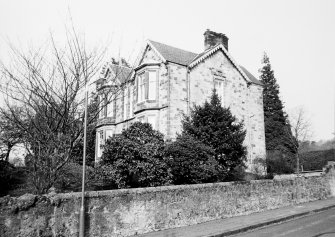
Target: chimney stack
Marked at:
212, 38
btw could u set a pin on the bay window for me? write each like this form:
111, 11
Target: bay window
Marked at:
152, 85
110, 109
100, 143
109, 133
147, 86
131, 92
101, 106
141, 87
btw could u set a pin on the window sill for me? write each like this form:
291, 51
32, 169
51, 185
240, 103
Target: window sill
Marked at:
146, 101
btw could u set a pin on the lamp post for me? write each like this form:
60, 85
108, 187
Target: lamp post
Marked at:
334, 122
82, 207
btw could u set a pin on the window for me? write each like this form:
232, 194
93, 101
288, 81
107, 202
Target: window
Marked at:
131, 92
125, 103
101, 106
141, 87
152, 121
110, 108
152, 85
141, 119
147, 86
100, 143
218, 85
109, 133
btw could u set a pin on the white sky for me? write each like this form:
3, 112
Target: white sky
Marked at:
299, 37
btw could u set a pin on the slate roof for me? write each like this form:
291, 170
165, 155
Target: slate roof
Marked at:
250, 76
184, 57
123, 73
173, 54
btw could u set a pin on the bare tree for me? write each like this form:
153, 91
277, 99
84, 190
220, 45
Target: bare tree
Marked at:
48, 85
301, 130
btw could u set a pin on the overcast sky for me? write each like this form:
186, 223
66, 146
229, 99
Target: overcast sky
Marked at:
298, 36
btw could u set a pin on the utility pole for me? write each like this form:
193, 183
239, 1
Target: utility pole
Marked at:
334, 122
82, 207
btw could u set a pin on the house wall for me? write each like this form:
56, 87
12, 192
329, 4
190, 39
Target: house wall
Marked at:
177, 99
131, 212
255, 127
245, 100
179, 89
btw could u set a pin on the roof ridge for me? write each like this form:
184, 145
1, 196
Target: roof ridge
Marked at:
171, 46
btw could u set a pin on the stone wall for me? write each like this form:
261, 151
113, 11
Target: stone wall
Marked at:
136, 211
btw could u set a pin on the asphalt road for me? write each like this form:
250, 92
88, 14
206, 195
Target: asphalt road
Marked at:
316, 225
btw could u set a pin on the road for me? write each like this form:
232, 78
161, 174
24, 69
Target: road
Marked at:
316, 225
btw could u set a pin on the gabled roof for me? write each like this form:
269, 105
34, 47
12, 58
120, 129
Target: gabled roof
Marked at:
190, 59
173, 54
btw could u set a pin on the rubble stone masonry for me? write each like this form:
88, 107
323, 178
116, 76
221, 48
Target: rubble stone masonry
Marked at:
135, 211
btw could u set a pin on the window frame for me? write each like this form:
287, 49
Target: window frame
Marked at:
222, 94
155, 72
110, 108
143, 79
100, 143
102, 107
125, 102
141, 87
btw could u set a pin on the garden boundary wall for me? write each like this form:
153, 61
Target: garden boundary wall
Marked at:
135, 211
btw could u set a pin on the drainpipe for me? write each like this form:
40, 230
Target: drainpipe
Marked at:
168, 129
188, 90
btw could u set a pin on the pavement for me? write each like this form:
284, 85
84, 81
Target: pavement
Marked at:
313, 225
239, 224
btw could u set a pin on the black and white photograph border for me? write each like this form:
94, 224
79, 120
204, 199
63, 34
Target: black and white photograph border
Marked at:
167, 118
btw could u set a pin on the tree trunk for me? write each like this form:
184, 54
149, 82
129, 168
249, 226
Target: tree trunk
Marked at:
9, 148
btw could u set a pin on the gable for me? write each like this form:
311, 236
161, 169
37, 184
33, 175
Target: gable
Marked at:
211, 51
150, 55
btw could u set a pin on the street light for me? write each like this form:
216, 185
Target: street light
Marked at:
82, 207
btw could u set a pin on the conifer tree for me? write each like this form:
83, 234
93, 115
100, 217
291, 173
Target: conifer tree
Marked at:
216, 127
278, 136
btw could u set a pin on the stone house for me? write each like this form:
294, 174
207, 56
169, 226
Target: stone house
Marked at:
168, 81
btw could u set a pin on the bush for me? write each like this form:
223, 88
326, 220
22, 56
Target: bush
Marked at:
70, 179
278, 162
12, 179
6, 170
216, 127
135, 158
316, 160
191, 161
